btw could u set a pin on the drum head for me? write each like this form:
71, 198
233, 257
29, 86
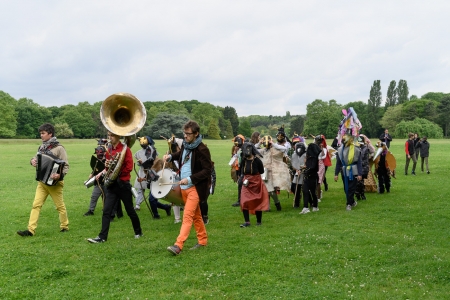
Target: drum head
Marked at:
159, 188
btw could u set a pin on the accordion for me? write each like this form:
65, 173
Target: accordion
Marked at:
47, 165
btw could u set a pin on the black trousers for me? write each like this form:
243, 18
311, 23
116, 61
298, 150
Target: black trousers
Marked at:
309, 191
296, 188
204, 207
258, 214
384, 181
350, 194
114, 193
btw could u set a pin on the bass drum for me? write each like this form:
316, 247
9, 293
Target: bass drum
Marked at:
165, 188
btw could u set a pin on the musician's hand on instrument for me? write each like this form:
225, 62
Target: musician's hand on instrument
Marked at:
184, 181
33, 162
107, 163
140, 161
90, 176
55, 176
167, 157
140, 179
99, 175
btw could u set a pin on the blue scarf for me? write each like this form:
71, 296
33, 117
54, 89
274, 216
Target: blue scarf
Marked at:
193, 145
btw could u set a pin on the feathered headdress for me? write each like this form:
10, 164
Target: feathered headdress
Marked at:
350, 124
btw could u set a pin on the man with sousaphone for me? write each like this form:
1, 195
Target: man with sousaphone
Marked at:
123, 115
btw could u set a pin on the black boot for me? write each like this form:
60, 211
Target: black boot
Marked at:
326, 186
235, 204
363, 196
278, 205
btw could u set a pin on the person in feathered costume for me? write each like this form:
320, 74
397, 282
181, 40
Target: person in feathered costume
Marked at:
348, 159
385, 165
278, 175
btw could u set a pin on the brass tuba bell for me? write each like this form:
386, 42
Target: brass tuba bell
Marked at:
123, 114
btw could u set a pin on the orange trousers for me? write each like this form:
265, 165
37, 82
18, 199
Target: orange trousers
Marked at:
191, 215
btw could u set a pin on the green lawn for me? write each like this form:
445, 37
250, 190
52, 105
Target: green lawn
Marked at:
391, 246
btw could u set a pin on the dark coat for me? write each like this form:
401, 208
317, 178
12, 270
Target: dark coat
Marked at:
424, 148
386, 138
200, 168
365, 160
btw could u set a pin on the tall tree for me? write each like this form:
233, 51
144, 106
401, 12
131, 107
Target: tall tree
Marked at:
229, 113
444, 113
391, 96
402, 91
245, 129
213, 130
297, 125
322, 118
8, 121
373, 110
229, 130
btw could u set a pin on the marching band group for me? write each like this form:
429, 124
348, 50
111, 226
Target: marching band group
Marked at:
260, 166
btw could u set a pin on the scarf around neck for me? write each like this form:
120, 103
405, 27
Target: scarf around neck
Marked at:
50, 144
194, 144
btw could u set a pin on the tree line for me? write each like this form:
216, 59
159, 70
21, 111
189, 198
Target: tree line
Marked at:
401, 114
22, 117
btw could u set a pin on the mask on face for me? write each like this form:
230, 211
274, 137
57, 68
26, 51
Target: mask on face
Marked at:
100, 152
247, 150
300, 148
238, 141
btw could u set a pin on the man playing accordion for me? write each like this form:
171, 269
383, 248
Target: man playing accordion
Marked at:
53, 182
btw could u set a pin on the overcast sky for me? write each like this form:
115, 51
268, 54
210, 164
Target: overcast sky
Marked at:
260, 57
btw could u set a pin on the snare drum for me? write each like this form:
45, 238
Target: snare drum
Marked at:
163, 189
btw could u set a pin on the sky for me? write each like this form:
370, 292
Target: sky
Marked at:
260, 57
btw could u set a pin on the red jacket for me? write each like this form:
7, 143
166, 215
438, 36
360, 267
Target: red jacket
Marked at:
127, 165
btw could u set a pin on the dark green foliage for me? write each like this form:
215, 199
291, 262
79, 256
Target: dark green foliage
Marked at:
402, 92
229, 113
297, 125
213, 130
444, 113
374, 111
391, 96
8, 121
245, 129
322, 118
422, 108
30, 116
165, 125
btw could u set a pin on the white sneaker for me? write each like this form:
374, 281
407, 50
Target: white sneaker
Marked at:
304, 211
137, 207
315, 209
177, 221
349, 207
318, 200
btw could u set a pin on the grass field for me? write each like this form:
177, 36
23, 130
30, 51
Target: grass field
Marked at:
391, 246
